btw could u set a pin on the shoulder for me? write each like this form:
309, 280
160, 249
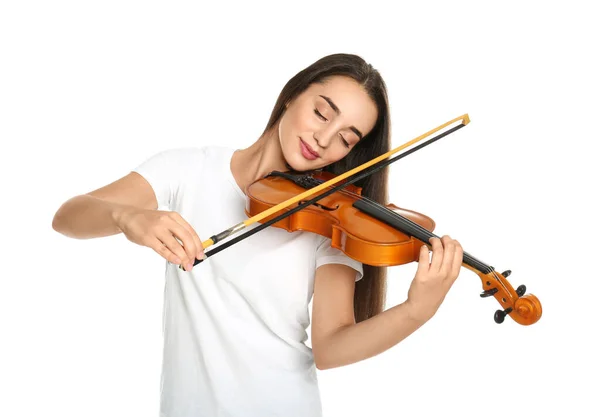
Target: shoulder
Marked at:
216, 151
193, 155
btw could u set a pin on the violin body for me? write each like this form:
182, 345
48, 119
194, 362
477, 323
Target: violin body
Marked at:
352, 231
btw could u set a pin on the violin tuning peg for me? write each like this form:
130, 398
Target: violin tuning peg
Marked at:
489, 292
521, 290
506, 273
500, 314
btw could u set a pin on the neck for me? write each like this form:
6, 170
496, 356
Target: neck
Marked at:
256, 161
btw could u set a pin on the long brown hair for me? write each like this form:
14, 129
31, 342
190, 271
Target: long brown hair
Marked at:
370, 291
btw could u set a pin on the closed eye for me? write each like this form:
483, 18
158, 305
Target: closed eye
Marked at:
346, 144
320, 115
344, 141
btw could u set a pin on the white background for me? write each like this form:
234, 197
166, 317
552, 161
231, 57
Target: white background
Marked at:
88, 90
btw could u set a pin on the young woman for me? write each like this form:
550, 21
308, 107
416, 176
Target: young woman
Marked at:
235, 324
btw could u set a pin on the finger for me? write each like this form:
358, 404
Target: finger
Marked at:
437, 253
457, 261
423, 258
185, 240
174, 246
198, 248
160, 248
449, 250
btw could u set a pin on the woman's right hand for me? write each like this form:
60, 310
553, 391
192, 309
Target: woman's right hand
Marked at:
160, 230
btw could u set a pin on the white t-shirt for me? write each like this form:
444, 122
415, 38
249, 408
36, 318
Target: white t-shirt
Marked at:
235, 327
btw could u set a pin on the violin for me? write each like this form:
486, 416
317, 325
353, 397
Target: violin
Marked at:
363, 229
375, 234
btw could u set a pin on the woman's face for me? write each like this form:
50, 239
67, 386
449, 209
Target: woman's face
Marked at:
325, 122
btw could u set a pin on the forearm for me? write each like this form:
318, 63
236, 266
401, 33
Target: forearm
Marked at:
368, 338
86, 217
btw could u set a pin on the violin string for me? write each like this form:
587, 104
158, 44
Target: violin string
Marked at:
378, 207
485, 268
488, 269
501, 281
382, 209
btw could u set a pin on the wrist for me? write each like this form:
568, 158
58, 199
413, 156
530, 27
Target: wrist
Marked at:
119, 215
417, 312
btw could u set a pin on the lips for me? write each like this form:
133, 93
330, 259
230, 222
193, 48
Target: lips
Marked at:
311, 150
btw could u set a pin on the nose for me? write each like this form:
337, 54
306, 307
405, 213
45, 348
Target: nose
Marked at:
324, 137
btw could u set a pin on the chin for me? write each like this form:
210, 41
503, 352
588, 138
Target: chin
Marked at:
296, 162
298, 165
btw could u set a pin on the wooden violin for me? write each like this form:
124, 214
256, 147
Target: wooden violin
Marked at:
375, 234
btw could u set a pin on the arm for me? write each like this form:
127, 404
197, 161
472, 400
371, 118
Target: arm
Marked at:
98, 213
338, 340
128, 206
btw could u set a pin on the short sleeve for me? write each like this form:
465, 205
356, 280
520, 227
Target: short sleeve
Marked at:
329, 255
165, 172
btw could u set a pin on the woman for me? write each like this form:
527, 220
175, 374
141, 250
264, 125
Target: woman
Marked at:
235, 325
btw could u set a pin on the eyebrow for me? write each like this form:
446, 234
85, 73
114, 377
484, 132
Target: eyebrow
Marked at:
337, 110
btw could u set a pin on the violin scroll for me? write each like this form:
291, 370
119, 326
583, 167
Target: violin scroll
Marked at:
525, 309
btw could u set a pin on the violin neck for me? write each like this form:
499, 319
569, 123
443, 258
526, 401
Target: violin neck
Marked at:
411, 228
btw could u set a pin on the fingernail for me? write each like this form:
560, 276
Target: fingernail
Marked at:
188, 267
